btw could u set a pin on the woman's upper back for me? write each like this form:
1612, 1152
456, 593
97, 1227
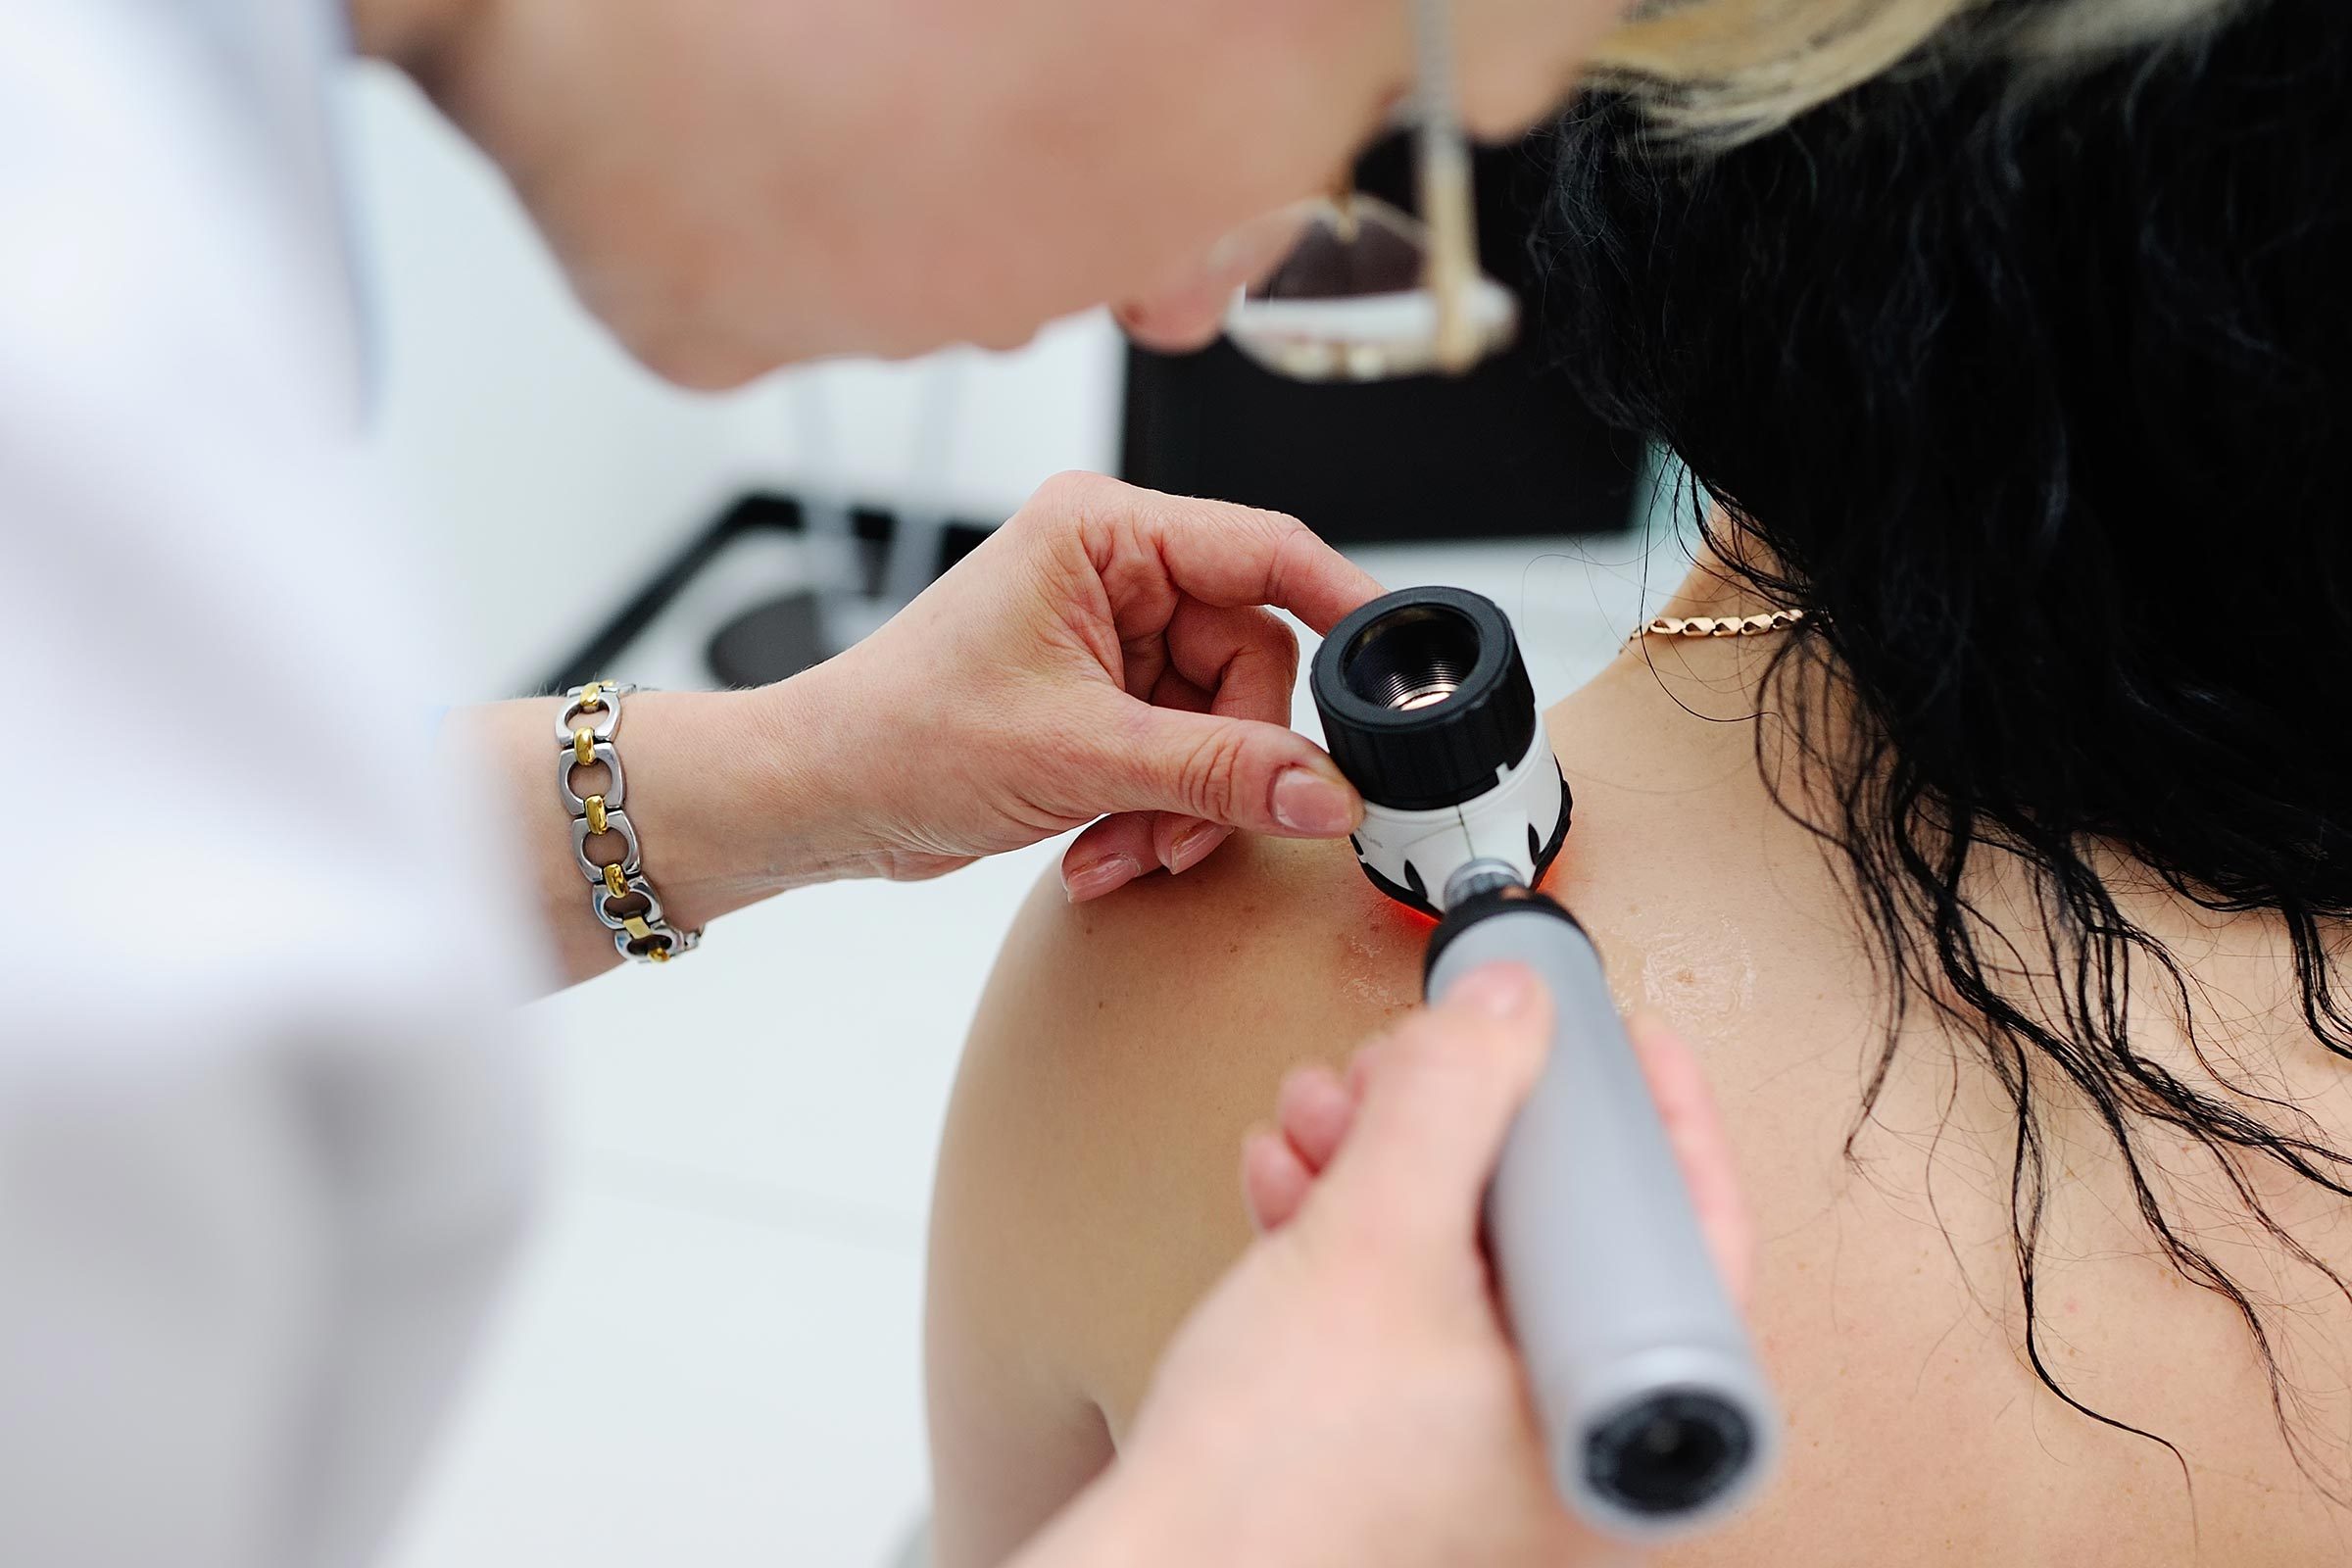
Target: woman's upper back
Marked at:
2033, 387
1125, 1048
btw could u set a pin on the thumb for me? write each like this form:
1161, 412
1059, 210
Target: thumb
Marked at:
1437, 1099
1237, 773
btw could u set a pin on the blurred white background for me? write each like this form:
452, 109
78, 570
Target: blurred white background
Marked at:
710, 1355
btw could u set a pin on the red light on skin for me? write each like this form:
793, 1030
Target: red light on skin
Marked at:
1412, 919
1381, 911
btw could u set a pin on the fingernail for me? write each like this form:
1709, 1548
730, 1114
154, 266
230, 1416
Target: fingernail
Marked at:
1191, 845
1098, 877
1499, 990
1305, 802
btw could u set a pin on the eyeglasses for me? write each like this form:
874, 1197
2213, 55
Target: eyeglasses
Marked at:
1372, 293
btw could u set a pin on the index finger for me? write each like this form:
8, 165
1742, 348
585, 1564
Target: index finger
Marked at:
1224, 555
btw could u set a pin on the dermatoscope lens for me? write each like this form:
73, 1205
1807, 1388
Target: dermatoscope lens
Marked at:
1411, 659
1669, 1454
1425, 699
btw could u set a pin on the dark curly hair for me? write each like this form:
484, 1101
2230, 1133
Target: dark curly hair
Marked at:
2040, 388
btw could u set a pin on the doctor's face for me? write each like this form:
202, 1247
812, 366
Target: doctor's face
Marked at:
735, 185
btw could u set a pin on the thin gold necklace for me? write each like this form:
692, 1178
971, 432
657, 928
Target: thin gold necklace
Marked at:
1760, 625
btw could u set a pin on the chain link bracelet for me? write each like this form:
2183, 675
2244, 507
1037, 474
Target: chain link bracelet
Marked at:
618, 894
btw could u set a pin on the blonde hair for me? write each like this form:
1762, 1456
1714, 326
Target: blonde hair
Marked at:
1725, 70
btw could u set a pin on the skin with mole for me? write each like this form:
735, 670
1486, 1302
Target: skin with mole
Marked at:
1708, 975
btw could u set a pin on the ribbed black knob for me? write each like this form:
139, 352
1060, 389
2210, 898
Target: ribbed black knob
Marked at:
1424, 697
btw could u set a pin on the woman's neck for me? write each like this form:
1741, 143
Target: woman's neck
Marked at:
1733, 666
1713, 586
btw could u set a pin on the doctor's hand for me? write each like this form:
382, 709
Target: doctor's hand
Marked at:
1104, 659
1105, 654
1347, 1394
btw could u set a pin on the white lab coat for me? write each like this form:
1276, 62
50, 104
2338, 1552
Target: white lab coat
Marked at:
264, 1133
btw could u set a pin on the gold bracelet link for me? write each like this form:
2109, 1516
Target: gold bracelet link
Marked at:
585, 732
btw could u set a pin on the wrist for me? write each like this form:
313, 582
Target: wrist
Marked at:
731, 796
739, 796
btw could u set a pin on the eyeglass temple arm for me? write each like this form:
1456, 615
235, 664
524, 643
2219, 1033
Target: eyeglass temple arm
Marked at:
1441, 165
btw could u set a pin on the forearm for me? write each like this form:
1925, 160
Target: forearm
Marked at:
734, 797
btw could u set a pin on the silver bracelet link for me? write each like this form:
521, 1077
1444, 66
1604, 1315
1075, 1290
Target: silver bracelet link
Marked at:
618, 894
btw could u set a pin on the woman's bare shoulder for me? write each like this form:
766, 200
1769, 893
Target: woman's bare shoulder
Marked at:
1166, 1013
1121, 1052
1267, 948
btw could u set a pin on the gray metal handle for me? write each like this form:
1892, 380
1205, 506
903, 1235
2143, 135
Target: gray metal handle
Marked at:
1657, 1415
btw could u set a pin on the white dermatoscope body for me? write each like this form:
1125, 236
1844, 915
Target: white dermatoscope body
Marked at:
1657, 1414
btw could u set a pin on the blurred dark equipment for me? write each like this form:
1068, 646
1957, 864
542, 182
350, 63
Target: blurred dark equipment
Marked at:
772, 639
1505, 450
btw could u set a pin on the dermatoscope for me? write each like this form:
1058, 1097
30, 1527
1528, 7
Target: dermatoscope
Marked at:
1656, 1415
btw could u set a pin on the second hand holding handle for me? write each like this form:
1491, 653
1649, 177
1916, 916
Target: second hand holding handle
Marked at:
1658, 1419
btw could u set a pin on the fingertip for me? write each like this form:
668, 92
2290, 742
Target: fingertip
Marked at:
1328, 588
1315, 802
1314, 1110
1274, 1183
1099, 877
1185, 841
1506, 1011
1504, 990
1108, 856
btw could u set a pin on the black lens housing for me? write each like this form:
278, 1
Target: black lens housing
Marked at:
1424, 758
1671, 1454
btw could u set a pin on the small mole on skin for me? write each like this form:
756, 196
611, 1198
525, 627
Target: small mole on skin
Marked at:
1699, 976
